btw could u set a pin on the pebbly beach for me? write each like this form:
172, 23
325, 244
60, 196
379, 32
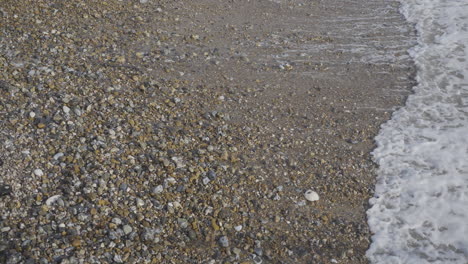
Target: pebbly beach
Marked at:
203, 131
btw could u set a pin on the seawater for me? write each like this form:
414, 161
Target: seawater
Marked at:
419, 213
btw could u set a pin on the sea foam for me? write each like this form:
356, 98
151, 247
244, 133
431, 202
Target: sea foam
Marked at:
419, 213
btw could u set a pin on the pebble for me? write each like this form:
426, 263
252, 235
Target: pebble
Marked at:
118, 258
51, 200
206, 180
212, 175
257, 259
66, 109
123, 187
116, 221
58, 155
311, 196
38, 172
224, 241
5, 190
127, 229
158, 189
140, 202
149, 234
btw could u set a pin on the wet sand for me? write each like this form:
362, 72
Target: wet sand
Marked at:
238, 108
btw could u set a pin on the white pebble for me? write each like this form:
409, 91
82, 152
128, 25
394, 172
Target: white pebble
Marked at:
206, 180
140, 202
58, 155
66, 109
311, 196
158, 189
117, 221
32, 114
77, 111
238, 228
38, 172
127, 229
51, 200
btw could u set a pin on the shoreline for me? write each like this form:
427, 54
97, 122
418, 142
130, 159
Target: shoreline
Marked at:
235, 109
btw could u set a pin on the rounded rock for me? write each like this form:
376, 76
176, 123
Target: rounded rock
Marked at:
224, 241
38, 172
311, 196
127, 229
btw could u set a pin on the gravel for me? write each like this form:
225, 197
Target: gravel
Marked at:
165, 131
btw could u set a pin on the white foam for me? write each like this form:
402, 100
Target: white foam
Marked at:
420, 210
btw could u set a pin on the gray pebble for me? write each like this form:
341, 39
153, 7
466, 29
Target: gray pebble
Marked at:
123, 187
158, 189
224, 241
212, 175
127, 229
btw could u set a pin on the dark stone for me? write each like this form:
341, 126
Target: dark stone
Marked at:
5, 190
212, 175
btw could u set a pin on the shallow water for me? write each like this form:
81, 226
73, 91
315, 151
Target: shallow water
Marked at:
420, 210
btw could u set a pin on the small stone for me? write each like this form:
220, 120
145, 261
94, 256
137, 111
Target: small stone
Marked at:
116, 221
158, 189
5, 190
258, 251
257, 259
121, 59
311, 196
206, 180
224, 241
77, 111
76, 243
211, 175
41, 125
38, 172
149, 234
51, 200
277, 218
238, 228
182, 223
236, 251
118, 258
140, 202
140, 54
123, 187
58, 155
32, 114
127, 229
66, 109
